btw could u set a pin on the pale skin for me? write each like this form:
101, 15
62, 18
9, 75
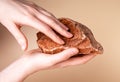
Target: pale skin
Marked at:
22, 13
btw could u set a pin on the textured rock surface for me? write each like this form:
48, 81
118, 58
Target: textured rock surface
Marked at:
83, 39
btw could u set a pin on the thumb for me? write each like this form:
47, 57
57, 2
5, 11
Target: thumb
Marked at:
19, 36
64, 55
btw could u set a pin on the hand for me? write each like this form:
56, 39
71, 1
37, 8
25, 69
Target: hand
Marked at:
16, 13
34, 61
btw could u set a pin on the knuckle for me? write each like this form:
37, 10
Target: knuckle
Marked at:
46, 30
29, 17
52, 22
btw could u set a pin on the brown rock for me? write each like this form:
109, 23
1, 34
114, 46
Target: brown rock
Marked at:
83, 39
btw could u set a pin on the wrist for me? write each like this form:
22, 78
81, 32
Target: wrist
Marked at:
16, 72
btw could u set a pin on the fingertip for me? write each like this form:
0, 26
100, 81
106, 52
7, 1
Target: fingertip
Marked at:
69, 35
70, 52
56, 39
61, 42
74, 50
24, 47
23, 44
66, 28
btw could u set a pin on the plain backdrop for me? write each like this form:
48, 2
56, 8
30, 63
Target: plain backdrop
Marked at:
101, 16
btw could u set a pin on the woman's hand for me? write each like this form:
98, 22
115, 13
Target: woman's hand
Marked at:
34, 61
16, 13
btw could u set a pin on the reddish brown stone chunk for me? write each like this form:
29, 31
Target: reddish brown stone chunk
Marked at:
83, 39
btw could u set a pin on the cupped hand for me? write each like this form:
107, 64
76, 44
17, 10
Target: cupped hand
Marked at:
16, 13
37, 61
68, 57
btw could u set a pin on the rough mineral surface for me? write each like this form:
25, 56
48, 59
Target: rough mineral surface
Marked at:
82, 39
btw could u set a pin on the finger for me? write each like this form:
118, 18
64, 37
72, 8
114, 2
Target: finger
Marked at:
19, 36
45, 12
38, 11
54, 23
64, 55
75, 61
44, 28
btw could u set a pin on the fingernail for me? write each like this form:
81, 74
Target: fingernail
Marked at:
69, 35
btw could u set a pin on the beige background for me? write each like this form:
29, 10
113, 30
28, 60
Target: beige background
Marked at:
101, 16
